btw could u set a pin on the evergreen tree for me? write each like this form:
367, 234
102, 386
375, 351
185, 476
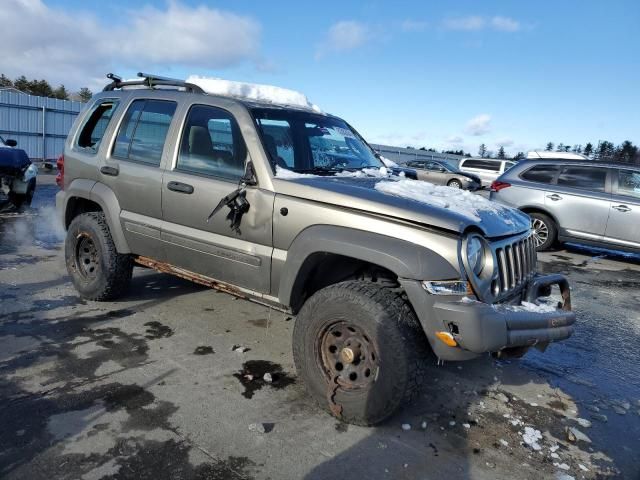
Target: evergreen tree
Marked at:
85, 94
626, 152
21, 83
588, 149
61, 93
5, 82
518, 156
549, 147
577, 149
560, 147
501, 153
482, 151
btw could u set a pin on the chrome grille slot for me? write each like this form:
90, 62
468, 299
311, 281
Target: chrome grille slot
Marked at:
516, 263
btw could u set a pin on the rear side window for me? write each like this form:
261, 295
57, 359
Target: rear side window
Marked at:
482, 165
212, 144
587, 178
629, 183
94, 127
143, 131
541, 173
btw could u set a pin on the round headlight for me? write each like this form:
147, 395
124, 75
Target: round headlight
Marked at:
475, 254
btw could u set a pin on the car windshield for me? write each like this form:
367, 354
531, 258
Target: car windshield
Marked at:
308, 142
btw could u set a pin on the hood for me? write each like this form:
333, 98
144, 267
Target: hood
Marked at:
421, 202
473, 177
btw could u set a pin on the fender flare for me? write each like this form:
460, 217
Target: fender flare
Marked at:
106, 198
404, 259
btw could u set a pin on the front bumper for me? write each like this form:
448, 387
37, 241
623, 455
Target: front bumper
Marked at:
479, 328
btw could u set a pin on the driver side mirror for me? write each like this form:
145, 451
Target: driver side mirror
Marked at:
442, 169
10, 143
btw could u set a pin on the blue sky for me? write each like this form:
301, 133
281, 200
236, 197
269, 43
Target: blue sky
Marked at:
441, 74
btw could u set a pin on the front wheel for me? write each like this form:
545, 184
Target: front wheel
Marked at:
455, 184
544, 229
97, 270
358, 348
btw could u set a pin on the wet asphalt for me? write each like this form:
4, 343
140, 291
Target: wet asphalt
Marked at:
152, 386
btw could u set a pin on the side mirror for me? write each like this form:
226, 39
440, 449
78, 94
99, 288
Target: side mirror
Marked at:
249, 177
10, 143
442, 170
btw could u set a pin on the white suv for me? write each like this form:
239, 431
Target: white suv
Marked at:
488, 169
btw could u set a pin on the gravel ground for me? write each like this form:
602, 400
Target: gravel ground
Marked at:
150, 386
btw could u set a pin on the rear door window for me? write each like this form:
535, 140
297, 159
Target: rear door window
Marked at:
541, 173
144, 130
583, 177
482, 165
96, 124
629, 183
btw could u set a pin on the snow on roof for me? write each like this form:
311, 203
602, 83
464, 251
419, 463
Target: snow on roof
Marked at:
560, 155
459, 201
253, 91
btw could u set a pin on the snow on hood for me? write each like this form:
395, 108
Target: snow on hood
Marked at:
381, 172
460, 201
253, 91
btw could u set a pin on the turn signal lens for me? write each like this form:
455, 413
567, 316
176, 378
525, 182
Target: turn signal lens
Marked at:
447, 339
449, 287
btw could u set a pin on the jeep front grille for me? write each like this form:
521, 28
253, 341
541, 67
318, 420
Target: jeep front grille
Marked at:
515, 265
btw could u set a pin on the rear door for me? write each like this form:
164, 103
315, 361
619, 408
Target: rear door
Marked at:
419, 165
580, 201
132, 169
209, 160
436, 173
623, 227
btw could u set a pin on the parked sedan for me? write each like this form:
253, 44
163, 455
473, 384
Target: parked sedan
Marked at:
441, 173
17, 176
571, 200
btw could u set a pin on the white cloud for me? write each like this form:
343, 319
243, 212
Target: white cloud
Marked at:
471, 22
505, 142
78, 49
505, 24
477, 22
410, 25
479, 125
342, 36
455, 139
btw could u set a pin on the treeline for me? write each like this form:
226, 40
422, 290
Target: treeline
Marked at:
604, 151
43, 88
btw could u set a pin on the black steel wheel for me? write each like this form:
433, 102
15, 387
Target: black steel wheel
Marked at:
359, 350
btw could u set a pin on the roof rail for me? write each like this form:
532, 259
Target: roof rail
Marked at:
150, 80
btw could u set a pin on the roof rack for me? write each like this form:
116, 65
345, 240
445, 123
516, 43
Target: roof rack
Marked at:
151, 81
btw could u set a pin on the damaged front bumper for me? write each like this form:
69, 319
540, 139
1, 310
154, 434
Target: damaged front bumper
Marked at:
476, 327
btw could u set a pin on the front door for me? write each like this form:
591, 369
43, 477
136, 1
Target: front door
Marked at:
210, 161
579, 201
623, 227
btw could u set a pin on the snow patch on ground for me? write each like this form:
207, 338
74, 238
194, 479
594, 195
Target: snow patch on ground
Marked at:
531, 437
253, 91
462, 202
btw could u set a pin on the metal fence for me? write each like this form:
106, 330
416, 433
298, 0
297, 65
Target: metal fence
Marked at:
39, 124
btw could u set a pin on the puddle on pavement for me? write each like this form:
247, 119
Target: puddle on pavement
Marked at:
203, 350
157, 330
252, 376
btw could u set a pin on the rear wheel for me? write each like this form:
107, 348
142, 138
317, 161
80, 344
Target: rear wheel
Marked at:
544, 229
97, 270
359, 350
455, 183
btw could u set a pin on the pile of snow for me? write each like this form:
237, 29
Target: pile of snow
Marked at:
462, 202
387, 162
253, 91
529, 307
531, 437
286, 174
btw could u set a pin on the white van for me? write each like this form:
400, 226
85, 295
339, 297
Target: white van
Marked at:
488, 169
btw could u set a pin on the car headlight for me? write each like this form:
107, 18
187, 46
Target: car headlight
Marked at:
475, 254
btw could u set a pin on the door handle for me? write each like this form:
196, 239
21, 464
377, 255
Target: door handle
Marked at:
554, 197
112, 171
180, 187
621, 208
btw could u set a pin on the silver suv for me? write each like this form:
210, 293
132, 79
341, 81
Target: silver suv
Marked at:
582, 200
287, 206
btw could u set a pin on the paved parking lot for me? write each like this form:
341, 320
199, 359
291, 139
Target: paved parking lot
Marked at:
151, 387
